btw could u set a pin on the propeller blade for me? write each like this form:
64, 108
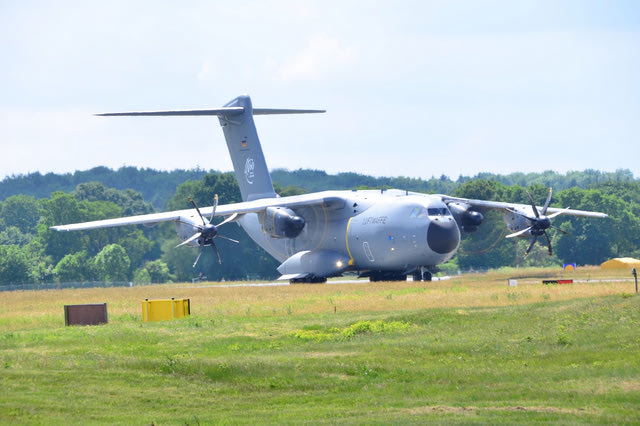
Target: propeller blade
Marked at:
229, 219
517, 234
227, 238
546, 204
199, 254
548, 242
533, 204
558, 229
215, 249
531, 245
208, 231
551, 216
521, 214
204, 223
540, 223
215, 206
187, 241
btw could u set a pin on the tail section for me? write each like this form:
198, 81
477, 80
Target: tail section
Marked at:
245, 150
236, 119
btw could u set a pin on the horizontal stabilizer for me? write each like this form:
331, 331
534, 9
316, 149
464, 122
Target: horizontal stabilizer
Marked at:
229, 111
218, 111
274, 111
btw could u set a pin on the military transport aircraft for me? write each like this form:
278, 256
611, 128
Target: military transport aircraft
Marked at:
380, 234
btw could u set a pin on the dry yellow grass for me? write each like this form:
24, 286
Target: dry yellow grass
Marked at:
251, 353
19, 309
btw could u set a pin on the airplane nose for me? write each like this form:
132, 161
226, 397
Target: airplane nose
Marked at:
443, 236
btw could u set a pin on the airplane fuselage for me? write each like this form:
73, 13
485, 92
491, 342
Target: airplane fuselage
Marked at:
371, 230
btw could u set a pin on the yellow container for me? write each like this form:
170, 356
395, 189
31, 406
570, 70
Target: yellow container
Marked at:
181, 308
165, 309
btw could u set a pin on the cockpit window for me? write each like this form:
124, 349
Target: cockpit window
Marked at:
418, 212
422, 212
438, 211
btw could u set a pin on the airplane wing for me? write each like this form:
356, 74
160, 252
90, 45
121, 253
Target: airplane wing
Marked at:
497, 205
328, 199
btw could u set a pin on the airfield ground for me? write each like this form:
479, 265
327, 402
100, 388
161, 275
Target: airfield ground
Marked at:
466, 349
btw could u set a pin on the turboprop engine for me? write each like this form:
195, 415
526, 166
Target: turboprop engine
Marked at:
468, 220
281, 222
202, 234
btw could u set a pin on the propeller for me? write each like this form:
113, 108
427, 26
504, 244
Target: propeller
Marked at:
208, 231
539, 223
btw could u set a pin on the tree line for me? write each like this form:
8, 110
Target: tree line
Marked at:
32, 253
157, 186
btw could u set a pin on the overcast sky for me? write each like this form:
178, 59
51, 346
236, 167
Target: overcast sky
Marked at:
411, 88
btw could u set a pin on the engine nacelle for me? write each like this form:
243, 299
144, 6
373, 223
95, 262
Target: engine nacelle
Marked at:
468, 220
318, 263
516, 222
281, 222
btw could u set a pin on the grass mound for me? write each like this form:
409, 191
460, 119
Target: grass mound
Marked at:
319, 333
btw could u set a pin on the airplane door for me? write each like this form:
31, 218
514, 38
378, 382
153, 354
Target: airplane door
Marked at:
367, 251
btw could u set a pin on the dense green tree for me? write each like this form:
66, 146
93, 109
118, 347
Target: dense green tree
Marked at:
94, 240
487, 247
41, 265
15, 265
60, 209
26, 239
180, 199
592, 241
64, 208
156, 186
224, 185
289, 190
75, 267
130, 201
180, 260
628, 192
142, 276
158, 271
112, 263
21, 212
11, 235
139, 248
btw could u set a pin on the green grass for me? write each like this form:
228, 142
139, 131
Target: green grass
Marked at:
558, 361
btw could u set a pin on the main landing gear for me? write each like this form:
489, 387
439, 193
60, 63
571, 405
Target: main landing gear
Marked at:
419, 275
308, 280
387, 276
422, 276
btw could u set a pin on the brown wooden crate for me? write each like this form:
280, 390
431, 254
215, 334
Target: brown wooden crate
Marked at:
89, 314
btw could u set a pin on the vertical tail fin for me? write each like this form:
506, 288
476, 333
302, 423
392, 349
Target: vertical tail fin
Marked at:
246, 154
244, 147
236, 119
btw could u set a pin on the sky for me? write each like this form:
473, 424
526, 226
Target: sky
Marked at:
411, 88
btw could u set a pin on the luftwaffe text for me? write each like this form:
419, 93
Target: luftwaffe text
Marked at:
374, 220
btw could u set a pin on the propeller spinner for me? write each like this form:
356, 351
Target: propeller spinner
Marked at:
539, 223
208, 231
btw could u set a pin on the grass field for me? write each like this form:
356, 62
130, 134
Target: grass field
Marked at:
465, 350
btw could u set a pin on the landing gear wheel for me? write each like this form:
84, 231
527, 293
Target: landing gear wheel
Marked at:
427, 276
387, 276
308, 280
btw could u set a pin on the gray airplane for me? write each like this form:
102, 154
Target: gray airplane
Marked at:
380, 234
